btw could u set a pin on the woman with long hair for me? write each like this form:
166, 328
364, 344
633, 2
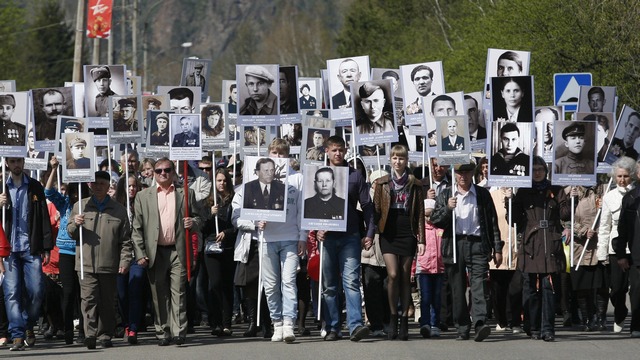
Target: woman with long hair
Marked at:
218, 257
132, 287
399, 210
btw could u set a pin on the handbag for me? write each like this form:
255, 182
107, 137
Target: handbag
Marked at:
213, 247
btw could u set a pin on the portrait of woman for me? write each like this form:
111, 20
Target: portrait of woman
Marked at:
212, 121
512, 99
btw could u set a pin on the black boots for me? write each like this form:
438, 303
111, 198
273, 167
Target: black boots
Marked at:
393, 327
252, 311
403, 333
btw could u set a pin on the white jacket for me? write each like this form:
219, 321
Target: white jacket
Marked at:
608, 230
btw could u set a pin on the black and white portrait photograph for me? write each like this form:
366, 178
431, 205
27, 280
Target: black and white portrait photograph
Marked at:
605, 123
505, 63
258, 94
597, 99
35, 160
134, 84
214, 129
195, 72
7, 86
184, 132
510, 161
325, 194
68, 125
264, 190
78, 155
545, 117
454, 145
182, 99
100, 82
418, 81
575, 155
512, 98
289, 107
126, 124
158, 133
310, 93
374, 112
230, 96
13, 120
313, 140
396, 89
155, 102
48, 104
625, 139
450, 104
341, 74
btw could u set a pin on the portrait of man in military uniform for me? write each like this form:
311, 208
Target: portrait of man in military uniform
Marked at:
187, 137
160, 137
11, 132
77, 146
579, 157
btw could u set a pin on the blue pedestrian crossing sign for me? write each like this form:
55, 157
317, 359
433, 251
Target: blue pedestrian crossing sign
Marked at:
566, 89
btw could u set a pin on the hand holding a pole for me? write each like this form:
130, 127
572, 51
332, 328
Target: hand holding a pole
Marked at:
451, 204
188, 222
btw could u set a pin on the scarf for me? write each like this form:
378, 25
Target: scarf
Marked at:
399, 190
541, 185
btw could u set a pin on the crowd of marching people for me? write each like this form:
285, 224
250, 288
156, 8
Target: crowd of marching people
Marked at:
160, 246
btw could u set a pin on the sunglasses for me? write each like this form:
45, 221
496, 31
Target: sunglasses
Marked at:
165, 170
207, 168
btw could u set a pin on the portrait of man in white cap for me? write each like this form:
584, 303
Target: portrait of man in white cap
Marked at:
261, 100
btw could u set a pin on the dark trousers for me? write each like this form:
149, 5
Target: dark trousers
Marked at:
473, 257
98, 293
539, 302
132, 296
430, 298
619, 285
220, 269
52, 305
634, 294
375, 293
506, 296
70, 291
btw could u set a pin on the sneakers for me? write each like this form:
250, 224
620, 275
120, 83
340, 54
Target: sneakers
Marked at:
617, 328
18, 345
517, 330
360, 333
287, 334
31, 338
482, 332
378, 333
435, 331
277, 332
331, 336
4, 341
425, 331
132, 337
502, 329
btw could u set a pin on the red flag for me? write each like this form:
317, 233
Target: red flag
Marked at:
99, 18
5, 247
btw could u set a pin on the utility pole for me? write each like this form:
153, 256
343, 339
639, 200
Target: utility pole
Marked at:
134, 38
77, 51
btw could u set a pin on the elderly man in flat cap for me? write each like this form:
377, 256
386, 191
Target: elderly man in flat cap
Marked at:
261, 101
574, 162
160, 137
11, 133
126, 120
374, 119
101, 76
195, 78
76, 148
53, 104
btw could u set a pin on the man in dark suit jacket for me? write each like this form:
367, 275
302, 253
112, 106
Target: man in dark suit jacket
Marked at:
348, 72
195, 78
264, 193
159, 243
452, 141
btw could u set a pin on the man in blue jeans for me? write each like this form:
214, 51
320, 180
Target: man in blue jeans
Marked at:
342, 252
29, 232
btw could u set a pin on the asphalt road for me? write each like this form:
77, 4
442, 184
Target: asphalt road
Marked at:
570, 344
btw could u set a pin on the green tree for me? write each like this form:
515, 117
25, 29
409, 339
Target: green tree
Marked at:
11, 26
51, 44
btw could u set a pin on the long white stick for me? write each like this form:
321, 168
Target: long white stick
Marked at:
80, 232
320, 278
260, 242
573, 215
453, 216
510, 233
4, 182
